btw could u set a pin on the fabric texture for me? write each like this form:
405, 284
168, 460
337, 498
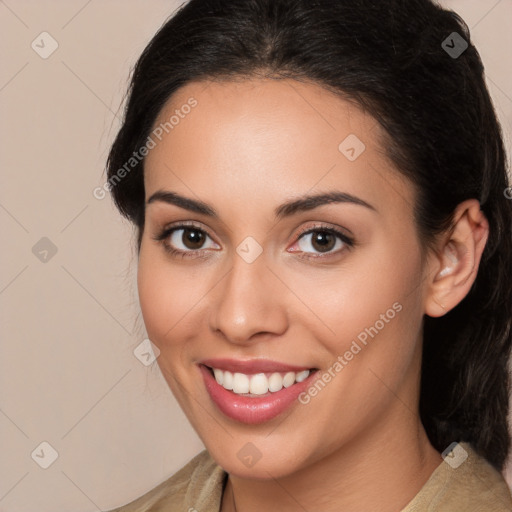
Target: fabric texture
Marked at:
473, 486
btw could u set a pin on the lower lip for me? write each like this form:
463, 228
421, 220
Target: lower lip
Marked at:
253, 410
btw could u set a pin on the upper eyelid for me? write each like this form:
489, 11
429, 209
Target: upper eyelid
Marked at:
185, 224
319, 226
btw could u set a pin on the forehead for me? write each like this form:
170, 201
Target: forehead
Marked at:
268, 138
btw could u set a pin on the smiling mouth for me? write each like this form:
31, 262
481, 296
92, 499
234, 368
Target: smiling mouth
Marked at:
257, 384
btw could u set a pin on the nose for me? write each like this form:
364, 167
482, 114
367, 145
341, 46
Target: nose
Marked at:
248, 302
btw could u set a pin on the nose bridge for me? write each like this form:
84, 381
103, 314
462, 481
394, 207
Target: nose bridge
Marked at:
247, 300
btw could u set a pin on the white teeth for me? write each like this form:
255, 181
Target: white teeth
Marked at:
259, 383
275, 382
302, 376
240, 383
289, 379
227, 380
219, 374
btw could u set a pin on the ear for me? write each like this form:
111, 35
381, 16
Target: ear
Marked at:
454, 267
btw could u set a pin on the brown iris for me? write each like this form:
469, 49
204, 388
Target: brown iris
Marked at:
323, 241
192, 238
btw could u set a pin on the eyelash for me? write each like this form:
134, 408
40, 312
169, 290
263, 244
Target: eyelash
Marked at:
199, 253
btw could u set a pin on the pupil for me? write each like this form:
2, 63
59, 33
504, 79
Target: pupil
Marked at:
192, 238
324, 241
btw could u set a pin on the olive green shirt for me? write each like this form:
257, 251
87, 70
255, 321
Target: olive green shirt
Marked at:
474, 486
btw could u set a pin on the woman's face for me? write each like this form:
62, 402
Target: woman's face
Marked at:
249, 285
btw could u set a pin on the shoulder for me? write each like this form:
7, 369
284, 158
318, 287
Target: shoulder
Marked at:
197, 485
463, 483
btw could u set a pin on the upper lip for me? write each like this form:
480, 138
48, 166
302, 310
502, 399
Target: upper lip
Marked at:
252, 365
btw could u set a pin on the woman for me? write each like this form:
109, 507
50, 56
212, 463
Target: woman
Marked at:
324, 244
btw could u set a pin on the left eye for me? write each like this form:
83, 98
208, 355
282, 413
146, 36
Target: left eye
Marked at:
322, 241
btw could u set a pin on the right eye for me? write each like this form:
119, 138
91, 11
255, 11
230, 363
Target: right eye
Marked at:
185, 240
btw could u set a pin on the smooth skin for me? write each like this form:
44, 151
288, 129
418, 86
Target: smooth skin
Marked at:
247, 147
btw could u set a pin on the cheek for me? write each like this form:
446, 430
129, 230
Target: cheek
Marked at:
376, 322
352, 298
171, 296
161, 297
370, 310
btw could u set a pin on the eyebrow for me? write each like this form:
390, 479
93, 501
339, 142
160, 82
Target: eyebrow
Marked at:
292, 207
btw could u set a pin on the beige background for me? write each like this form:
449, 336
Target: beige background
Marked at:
68, 375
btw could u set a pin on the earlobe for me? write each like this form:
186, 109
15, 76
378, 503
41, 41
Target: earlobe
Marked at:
456, 267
